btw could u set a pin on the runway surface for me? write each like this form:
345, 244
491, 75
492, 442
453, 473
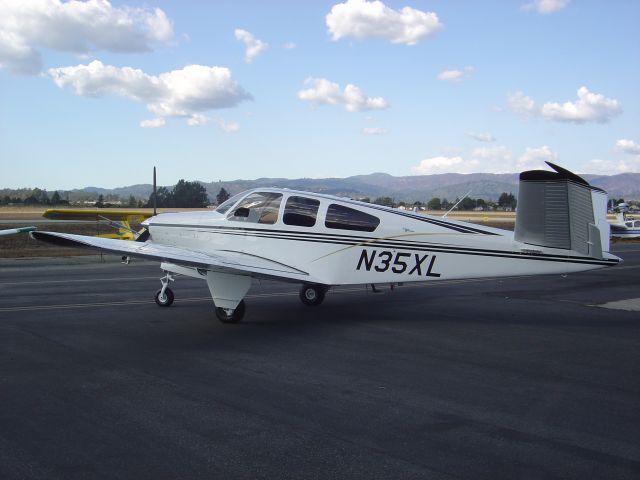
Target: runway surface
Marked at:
492, 378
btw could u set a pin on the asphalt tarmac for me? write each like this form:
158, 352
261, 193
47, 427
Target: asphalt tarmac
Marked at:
496, 378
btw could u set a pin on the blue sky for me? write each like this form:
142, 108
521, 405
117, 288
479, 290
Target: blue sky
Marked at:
98, 93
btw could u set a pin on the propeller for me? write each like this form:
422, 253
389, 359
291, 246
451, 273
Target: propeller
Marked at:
155, 198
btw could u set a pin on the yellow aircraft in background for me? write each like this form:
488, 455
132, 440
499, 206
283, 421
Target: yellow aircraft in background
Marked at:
117, 218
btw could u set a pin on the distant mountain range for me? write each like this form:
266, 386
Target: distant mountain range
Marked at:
413, 188
488, 186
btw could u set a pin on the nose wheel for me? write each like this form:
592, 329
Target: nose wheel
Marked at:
312, 295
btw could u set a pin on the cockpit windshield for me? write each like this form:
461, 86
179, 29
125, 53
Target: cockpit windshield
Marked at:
225, 206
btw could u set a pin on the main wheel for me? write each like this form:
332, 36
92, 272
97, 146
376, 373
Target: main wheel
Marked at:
312, 295
164, 300
234, 317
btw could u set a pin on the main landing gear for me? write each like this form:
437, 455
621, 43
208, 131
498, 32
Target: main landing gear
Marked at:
312, 295
226, 315
164, 296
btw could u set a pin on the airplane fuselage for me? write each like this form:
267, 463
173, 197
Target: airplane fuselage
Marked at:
403, 246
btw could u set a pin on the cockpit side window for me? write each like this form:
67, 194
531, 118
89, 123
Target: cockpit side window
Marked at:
345, 218
227, 204
259, 207
301, 211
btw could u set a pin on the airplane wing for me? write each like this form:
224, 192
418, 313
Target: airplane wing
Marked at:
12, 231
91, 214
222, 261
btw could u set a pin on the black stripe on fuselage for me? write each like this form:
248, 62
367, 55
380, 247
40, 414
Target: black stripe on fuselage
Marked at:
433, 221
348, 240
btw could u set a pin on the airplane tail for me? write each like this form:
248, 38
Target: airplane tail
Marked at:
561, 210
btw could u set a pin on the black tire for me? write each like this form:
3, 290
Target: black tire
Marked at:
168, 297
235, 317
312, 295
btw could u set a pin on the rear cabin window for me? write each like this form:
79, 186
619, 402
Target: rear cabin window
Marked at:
345, 218
260, 207
301, 211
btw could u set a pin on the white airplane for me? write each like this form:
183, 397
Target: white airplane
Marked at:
13, 231
321, 241
625, 227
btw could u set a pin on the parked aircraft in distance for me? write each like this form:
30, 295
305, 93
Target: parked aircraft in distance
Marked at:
321, 241
13, 231
625, 227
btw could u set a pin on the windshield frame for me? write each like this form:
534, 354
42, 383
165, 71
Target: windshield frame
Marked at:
225, 206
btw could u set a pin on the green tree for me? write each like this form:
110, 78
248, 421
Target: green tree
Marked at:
132, 201
386, 201
37, 197
507, 200
222, 196
164, 198
189, 195
100, 202
55, 198
467, 203
434, 204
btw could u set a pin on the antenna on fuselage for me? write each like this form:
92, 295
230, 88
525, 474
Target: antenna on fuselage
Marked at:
457, 203
155, 195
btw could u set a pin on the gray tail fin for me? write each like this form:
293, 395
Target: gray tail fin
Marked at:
561, 210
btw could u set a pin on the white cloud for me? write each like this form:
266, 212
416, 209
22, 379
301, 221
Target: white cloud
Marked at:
153, 123
362, 20
546, 7
521, 104
254, 47
610, 167
627, 146
443, 164
589, 107
495, 159
482, 137
178, 93
76, 27
450, 75
498, 159
197, 120
455, 75
535, 158
228, 127
374, 131
324, 92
